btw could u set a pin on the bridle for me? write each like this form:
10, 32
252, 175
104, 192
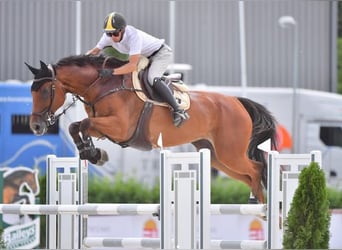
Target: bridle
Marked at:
47, 115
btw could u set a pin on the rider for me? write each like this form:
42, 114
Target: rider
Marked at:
134, 42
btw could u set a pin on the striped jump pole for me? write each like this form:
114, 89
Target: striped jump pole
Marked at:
245, 209
86, 209
133, 243
242, 244
123, 209
155, 243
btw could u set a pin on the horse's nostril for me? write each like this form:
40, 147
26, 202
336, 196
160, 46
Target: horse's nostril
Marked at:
36, 127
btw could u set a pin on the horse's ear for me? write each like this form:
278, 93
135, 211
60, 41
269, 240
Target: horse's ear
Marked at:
43, 66
33, 70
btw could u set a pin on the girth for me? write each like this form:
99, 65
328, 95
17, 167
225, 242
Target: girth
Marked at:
139, 139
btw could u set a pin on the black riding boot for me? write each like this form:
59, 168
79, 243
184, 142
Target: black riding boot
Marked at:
179, 115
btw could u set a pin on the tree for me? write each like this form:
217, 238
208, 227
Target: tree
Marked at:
307, 225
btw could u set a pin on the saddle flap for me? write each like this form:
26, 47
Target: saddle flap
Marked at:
173, 81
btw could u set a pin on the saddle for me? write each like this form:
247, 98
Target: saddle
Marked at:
145, 92
173, 81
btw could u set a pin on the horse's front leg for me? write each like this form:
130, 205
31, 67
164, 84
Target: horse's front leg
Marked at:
74, 131
85, 143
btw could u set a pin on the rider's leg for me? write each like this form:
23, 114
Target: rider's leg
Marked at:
179, 115
159, 63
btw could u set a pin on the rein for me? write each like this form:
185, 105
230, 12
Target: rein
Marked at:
122, 87
112, 91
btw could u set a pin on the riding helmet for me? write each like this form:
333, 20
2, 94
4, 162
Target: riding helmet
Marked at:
114, 21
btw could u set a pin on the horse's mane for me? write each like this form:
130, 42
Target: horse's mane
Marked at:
95, 61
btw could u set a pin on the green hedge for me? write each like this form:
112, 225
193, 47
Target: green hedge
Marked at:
103, 190
335, 198
223, 191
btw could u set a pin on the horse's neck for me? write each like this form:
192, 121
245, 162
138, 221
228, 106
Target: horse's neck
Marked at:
78, 81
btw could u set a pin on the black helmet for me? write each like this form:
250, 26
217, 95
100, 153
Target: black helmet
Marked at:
114, 21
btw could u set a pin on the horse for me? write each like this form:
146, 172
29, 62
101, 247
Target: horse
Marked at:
19, 184
231, 127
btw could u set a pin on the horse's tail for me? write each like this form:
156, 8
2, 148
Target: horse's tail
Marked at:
264, 127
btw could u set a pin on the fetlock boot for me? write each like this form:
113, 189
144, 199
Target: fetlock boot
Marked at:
179, 115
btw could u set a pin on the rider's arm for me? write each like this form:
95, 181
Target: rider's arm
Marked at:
128, 67
93, 51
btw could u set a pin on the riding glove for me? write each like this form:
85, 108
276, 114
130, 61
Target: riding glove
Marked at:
105, 72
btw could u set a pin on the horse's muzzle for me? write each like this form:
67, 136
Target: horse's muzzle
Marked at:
38, 127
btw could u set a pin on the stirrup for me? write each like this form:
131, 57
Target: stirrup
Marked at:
179, 116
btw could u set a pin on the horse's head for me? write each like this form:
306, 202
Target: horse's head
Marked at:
47, 97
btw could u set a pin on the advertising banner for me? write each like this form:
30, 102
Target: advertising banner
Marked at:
20, 185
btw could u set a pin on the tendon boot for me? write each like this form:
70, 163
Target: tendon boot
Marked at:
179, 115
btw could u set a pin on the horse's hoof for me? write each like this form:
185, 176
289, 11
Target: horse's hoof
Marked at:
253, 200
83, 156
103, 157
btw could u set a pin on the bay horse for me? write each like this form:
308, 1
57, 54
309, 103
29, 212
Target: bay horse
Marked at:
230, 127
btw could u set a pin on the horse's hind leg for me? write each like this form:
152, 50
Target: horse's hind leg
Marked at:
85, 144
248, 171
220, 166
241, 177
235, 163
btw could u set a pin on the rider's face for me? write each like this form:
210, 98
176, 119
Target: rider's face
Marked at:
117, 37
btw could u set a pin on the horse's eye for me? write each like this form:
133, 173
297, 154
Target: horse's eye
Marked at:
45, 93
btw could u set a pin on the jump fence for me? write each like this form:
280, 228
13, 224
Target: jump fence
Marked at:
184, 208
